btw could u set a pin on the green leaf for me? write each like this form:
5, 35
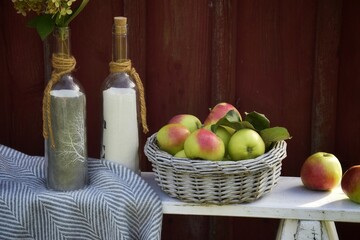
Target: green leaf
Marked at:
231, 116
258, 120
245, 124
232, 120
44, 25
274, 134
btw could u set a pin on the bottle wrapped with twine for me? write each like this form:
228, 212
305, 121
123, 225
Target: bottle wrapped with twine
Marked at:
64, 121
123, 104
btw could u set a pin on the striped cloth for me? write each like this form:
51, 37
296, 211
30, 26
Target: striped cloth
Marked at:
117, 204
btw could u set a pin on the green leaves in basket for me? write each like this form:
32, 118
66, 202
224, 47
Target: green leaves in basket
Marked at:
274, 134
253, 120
232, 120
258, 120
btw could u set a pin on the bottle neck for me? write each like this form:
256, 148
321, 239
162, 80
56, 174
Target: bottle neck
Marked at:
62, 41
119, 53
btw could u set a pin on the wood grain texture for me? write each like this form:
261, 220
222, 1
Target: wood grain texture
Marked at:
178, 60
328, 28
22, 79
275, 68
348, 111
223, 51
5, 101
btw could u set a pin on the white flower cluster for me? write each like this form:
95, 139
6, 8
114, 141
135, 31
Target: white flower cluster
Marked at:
53, 7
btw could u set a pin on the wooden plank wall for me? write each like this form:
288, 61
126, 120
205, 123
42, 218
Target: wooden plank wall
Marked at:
295, 61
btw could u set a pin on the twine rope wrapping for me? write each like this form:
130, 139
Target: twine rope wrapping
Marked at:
61, 64
125, 66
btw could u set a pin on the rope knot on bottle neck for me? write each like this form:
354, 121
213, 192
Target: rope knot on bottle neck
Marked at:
62, 64
120, 66
125, 66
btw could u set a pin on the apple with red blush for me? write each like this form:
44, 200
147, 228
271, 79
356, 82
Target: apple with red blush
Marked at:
219, 111
204, 144
350, 183
321, 171
171, 137
188, 120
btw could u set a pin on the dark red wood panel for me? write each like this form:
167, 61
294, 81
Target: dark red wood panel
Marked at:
328, 27
275, 68
348, 110
5, 101
22, 79
347, 142
223, 50
177, 60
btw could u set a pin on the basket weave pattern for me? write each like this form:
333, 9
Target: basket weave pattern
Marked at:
217, 182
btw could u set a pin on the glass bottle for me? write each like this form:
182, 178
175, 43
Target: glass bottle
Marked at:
66, 144
120, 139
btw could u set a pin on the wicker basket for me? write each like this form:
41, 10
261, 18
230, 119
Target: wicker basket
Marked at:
217, 182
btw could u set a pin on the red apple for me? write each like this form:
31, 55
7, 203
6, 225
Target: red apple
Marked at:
218, 112
171, 137
204, 144
321, 171
350, 183
188, 120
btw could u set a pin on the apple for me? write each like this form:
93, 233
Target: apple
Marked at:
180, 154
188, 120
218, 112
225, 136
171, 137
222, 133
204, 144
321, 171
245, 144
350, 183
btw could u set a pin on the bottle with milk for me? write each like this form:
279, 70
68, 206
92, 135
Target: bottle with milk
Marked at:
120, 137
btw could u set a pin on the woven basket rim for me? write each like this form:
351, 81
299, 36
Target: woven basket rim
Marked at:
204, 167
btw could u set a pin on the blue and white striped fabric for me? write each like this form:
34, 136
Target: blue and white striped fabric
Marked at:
117, 204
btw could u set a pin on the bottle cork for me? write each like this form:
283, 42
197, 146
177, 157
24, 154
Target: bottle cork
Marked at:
120, 24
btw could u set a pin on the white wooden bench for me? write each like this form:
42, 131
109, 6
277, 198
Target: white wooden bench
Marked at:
304, 214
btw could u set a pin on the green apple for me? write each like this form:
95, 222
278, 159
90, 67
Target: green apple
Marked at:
188, 120
218, 112
245, 144
180, 154
204, 144
171, 137
222, 133
350, 183
321, 171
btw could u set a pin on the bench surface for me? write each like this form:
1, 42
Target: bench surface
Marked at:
288, 200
